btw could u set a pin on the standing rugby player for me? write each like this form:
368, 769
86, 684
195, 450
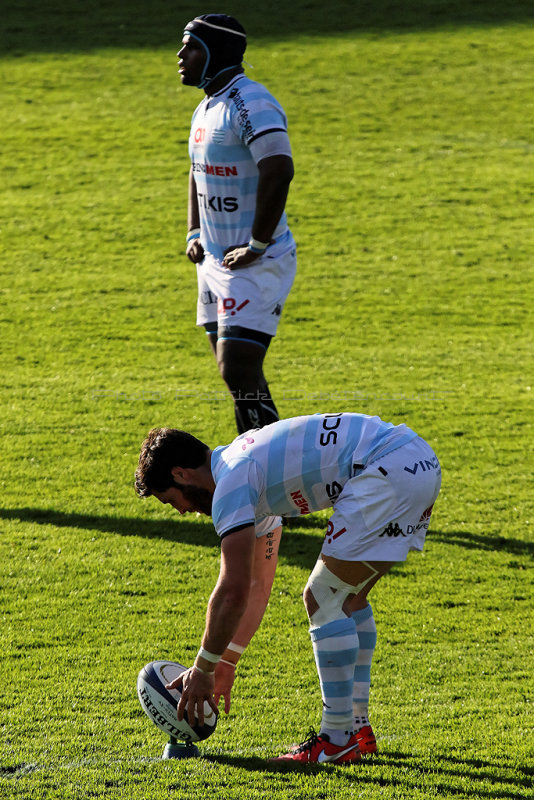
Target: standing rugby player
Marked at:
241, 168
382, 481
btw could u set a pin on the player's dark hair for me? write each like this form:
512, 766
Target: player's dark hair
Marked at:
163, 449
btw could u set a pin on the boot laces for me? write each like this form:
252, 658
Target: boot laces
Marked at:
309, 742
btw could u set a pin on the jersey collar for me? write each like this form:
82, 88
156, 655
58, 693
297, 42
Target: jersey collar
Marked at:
229, 84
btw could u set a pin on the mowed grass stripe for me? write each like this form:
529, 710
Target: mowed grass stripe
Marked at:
413, 213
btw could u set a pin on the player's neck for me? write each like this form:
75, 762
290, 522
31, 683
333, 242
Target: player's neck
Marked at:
219, 83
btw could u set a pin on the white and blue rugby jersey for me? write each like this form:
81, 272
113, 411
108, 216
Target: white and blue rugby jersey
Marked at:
226, 176
295, 466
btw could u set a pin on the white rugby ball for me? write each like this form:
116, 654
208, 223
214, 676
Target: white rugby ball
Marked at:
159, 703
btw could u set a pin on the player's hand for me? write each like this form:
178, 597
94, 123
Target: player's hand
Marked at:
224, 680
239, 257
197, 688
194, 251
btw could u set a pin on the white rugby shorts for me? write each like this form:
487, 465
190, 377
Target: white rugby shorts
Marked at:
266, 525
252, 297
384, 512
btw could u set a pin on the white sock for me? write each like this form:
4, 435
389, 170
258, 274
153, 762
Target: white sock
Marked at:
361, 720
337, 737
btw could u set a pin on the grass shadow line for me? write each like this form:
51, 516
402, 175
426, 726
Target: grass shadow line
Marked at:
365, 772
49, 26
478, 541
298, 549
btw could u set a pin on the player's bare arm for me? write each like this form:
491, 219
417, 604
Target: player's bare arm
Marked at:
264, 567
227, 604
194, 250
275, 175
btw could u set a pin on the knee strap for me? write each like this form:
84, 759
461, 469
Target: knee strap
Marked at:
330, 592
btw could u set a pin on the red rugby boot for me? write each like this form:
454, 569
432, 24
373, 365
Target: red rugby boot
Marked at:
366, 740
318, 749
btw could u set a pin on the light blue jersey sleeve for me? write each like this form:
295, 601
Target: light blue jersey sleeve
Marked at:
255, 112
236, 495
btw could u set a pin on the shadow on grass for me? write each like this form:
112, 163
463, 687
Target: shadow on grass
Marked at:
256, 764
478, 541
73, 25
298, 547
443, 769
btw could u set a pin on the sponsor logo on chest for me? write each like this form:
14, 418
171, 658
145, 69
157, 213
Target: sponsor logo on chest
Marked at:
300, 501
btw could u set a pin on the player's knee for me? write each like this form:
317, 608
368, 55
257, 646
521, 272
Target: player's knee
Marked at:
238, 376
310, 603
230, 372
327, 597
324, 595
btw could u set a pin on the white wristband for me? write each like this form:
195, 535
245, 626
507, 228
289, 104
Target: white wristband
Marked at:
211, 657
256, 246
203, 671
236, 648
230, 663
194, 233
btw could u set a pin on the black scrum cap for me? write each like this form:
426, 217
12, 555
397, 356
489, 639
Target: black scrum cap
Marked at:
224, 40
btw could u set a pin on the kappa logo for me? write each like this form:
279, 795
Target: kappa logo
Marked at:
392, 531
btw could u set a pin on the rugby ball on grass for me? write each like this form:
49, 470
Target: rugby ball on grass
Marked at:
159, 703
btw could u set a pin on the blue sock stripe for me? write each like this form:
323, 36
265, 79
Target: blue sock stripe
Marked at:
362, 673
337, 688
345, 658
366, 629
362, 614
339, 627
367, 640
330, 714
335, 647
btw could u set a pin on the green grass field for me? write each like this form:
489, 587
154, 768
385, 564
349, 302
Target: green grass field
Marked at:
412, 205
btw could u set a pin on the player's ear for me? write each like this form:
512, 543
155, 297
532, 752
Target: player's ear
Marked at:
185, 475
178, 474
